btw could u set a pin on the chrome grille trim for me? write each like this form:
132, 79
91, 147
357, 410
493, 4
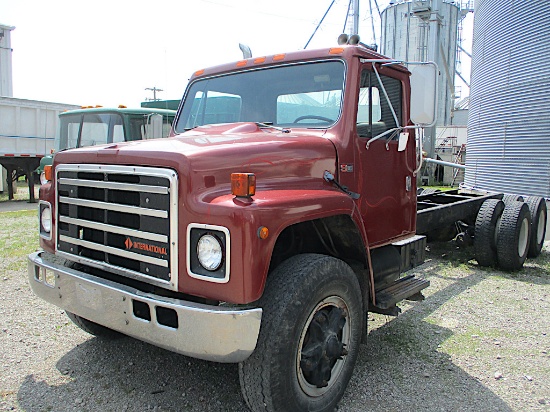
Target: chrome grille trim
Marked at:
108, 215
114, 229
114, 251
115, 207
114, 185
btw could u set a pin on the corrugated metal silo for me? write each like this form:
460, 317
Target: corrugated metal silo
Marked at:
6, 85
509, 119
406, 29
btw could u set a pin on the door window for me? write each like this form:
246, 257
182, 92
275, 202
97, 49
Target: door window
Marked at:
374, 114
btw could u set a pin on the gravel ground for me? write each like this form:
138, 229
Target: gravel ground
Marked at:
479, 342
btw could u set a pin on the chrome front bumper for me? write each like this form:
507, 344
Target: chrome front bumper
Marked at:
212, 333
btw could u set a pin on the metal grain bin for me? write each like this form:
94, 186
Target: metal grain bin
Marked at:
509, 119
406, 33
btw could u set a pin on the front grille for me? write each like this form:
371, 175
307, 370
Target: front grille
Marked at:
121, 219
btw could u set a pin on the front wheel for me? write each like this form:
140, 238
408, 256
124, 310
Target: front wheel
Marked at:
93, 328
309, 338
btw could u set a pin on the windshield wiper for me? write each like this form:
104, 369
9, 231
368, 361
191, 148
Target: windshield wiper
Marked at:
270, 126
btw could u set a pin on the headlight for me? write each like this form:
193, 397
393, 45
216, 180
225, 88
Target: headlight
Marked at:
45, 216
43, 179
209, 252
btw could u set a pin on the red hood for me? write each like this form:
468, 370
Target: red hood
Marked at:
206, 156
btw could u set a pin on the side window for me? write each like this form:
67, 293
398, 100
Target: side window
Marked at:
366, 96
72, 135
167, 125
374, 114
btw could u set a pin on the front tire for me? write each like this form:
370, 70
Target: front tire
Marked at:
309, 338
93, 328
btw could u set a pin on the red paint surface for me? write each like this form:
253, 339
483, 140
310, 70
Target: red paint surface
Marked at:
290, 188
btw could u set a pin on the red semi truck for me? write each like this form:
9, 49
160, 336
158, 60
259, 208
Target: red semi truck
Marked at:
282, 210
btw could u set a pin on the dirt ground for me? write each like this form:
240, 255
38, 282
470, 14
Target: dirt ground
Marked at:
479, 342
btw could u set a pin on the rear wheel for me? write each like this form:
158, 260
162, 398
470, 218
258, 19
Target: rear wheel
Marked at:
485, 235
93, 328
512, 198
430, 191
539, 214
309, 338
514, 232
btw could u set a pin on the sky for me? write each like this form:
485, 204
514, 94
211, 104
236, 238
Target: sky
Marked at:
108, 52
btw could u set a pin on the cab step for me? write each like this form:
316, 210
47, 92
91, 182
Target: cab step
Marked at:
407, 287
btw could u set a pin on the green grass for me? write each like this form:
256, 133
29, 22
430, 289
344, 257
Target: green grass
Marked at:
474, 339
442, 188
22, 192
18, 238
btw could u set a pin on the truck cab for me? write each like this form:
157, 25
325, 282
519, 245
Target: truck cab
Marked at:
280, 211
99, 125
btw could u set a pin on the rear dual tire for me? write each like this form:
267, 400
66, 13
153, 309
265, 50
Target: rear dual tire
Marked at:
503, 233
486, 230
539, 215
514, 233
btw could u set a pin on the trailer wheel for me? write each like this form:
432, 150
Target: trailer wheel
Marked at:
309, 338
485, 234
539, 214
93, 328
512, 198
514, 232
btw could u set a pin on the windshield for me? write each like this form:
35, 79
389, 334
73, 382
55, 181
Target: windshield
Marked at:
140, 126
90, 129
68, 132
101, 128
304, 95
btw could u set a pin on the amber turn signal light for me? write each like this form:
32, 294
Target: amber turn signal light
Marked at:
263, 232
243, 184
48, 172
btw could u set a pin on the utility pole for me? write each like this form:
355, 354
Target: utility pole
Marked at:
154, 90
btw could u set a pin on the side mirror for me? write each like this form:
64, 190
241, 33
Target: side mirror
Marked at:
424, 94
154, 126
